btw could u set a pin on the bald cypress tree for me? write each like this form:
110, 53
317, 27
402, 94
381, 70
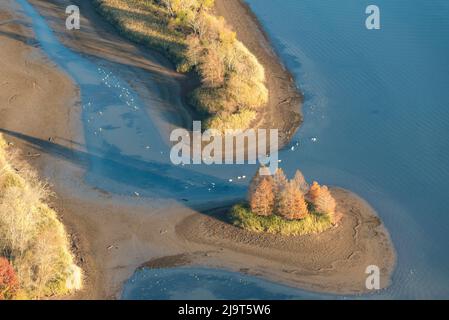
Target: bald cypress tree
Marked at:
300, 182
325, 202
280, 181
292, 204
255, 181
322, 200
313, 192
262, 199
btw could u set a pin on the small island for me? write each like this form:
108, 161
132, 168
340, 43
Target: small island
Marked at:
287, 207
308, 236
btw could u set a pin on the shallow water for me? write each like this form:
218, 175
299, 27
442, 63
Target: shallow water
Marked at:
205, 284
375, 123
125, 153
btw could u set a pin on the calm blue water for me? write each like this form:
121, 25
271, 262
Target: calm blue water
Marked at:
377, 102
374, 106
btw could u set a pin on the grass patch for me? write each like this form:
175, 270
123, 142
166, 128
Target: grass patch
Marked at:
314, 222
232, 86
32, 238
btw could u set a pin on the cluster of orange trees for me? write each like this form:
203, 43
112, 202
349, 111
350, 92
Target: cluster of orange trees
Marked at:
291, 199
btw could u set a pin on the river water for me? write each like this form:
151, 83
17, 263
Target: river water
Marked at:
375, 123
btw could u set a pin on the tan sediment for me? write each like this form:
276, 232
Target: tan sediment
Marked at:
112, 239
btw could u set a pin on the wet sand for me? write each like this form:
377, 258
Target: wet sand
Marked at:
111, 239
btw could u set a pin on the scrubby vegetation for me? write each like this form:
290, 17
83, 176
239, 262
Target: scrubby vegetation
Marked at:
232, 80
288, 207
35, 260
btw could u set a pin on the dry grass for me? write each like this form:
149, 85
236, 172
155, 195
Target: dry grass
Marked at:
223, 122
233, 81
31, 236
146, 22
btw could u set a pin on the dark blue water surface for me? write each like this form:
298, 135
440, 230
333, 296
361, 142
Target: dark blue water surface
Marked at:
377, 103
376, 122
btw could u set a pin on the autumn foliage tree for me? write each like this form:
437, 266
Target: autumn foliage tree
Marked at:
314, 192
281, 206
300, 182
292, 204
255, 181
183, 7
280, 181
322, 200
212, 68
262, 199
325, 202
8, 280
290, 199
